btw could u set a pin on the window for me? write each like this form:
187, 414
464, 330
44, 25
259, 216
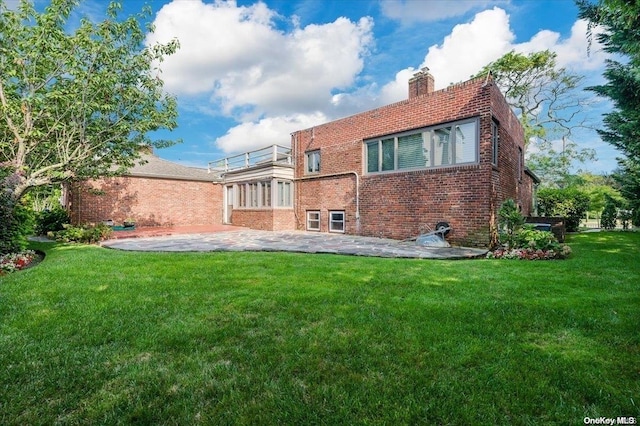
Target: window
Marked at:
242, 195
447, 145
253, 194
336, 221
495, 142
284, 194
520, 163
266, 194
313, 221
313, 162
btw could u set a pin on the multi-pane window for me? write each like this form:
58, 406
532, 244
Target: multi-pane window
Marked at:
254, 194
266, 194
336, 221
284, 194
446, 145
313, 220
313, 162
242, 196
495, 142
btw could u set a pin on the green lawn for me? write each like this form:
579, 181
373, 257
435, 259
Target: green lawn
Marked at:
97, 336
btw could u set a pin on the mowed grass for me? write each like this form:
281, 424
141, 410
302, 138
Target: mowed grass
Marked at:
98, 336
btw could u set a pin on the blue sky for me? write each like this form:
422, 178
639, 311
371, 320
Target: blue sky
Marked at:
249, 73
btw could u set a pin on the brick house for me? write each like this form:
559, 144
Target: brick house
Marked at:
452, 155
156, 193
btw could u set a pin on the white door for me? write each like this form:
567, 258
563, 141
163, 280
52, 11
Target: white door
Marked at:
228, 205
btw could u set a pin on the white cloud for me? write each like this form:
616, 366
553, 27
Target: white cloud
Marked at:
488, 36
267, 131
273, 82
398, 89
469, 47
236, 54
408, 11
572, 51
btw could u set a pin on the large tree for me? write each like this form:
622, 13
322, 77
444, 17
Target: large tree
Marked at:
550, 104
619, 22
77, 100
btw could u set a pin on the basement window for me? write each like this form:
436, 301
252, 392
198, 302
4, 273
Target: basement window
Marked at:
313, 220
336, 221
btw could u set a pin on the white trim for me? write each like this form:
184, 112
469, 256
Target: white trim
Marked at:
332, 222
309, 219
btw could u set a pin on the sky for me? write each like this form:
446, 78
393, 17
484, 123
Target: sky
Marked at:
249, 73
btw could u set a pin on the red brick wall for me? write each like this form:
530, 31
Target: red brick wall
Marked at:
403, 204
265, 219
150, 202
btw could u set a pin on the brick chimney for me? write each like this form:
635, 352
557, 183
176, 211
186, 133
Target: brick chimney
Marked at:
421, 83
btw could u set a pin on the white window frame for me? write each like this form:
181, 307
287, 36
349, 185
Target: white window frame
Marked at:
310, 219
312, 162
429, 152
332, 221
495, 142
284, 193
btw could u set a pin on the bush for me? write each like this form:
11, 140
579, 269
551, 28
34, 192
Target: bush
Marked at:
51, 220
529, 238
569, 203
16, 218
510, 220
82, 234
609, 214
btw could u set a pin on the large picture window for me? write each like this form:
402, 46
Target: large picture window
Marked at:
437, 146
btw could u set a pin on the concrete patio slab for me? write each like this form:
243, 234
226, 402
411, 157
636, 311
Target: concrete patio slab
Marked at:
291, 241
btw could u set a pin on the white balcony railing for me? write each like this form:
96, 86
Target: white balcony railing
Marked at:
273, 154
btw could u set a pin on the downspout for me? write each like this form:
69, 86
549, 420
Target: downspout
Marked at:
357, 190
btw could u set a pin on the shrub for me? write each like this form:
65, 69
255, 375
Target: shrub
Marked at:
536, 240
569, 203
15, 217
510, 220
609, 214
51, 220
88, 234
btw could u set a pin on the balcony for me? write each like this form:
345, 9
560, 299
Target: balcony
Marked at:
275, 154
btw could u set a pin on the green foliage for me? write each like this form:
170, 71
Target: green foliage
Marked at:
536, 240
618, 22
15, 217
98, 336
51, 220
510, 221
625, 216
570, 203
77, 104
609, 214
549, 103
88, 234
